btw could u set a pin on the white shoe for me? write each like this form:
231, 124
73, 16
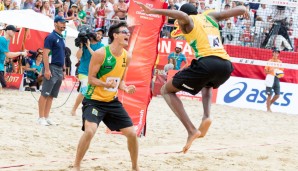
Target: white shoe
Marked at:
50, 122
43, 122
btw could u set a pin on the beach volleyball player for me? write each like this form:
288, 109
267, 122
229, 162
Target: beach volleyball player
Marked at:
209, 70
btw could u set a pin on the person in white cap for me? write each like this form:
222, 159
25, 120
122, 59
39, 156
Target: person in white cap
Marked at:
179, 57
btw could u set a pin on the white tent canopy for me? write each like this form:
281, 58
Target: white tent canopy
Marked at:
32, 20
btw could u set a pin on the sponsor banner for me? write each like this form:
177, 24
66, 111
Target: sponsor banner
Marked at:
13, 80
250, 93
293, 3
70, 83
143, 43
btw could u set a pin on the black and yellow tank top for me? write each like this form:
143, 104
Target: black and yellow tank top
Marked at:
205, 38
112, 68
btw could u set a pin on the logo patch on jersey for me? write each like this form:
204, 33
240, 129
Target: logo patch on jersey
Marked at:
94, 112
108, 67
57, 40
109, 58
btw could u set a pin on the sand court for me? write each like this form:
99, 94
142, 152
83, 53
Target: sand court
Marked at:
238, 139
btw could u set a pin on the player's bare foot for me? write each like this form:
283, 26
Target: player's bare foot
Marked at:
269, 109
73, 113
190, 139
75, 168
135, 169
204, 127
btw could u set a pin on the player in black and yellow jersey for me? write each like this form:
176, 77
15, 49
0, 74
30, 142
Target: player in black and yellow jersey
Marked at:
106, 71
210, 69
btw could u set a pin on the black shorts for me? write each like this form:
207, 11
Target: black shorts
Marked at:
211, 71
111, 113
275, 87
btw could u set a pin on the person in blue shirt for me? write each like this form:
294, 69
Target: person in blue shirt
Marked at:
34, 68
84, 56
179, 57
10, 31
54, 70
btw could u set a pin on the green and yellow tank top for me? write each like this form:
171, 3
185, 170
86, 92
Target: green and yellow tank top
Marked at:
205, 38
112, 68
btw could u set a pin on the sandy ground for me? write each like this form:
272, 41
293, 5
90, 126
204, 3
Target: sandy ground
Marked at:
239, 139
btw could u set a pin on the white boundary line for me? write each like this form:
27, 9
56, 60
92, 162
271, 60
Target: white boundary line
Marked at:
263, 63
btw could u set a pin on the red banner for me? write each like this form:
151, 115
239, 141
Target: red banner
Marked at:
143, 41
13, 80
32, 40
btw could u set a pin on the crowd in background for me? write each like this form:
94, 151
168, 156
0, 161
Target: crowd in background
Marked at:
265, 26
95, 13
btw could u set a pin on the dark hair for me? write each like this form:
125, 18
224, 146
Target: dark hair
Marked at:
189, 9
115, 29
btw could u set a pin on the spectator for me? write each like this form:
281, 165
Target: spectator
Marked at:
52, 8
121, 9
70, 3
169, 28
10, 31
53, 72
272, 80
202, 6
65, 8
100, 14
15, 6
230, 34
27, 4
1, 5
46, 8
7, 4
247, 35
81, 17
33, 71
109, 13
178, 57
34, 54
89, 9
37, 6
212, 4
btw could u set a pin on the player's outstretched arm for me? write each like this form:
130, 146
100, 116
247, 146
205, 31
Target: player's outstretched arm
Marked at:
218, 16
181, 16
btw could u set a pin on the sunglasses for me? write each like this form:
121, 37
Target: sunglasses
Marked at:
124, 32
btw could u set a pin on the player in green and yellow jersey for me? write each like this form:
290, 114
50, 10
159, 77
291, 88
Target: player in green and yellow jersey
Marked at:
106, 71
210, 69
